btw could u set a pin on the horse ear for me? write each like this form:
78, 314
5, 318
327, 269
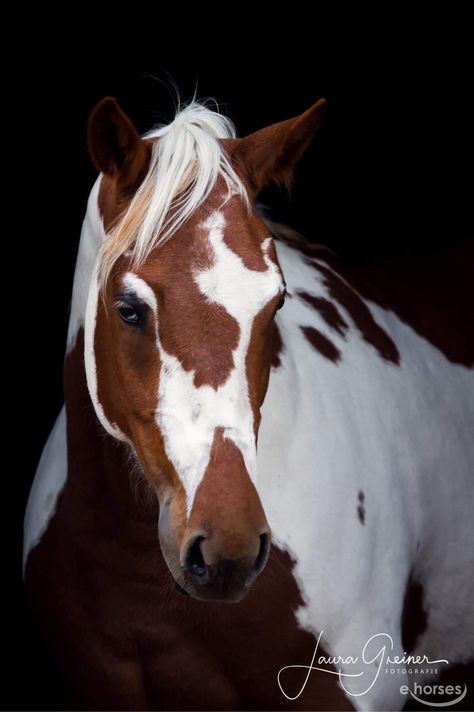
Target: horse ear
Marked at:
115, 145
271, 153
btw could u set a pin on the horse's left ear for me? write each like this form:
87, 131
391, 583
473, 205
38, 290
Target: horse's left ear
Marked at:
271, 153
115, 145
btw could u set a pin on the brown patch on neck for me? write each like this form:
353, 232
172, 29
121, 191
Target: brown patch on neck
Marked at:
278, 346
432, 293
359, 312
327, 311
321, 343
361, 507
414, 616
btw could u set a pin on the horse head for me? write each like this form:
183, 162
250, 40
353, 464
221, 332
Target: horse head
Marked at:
179, 326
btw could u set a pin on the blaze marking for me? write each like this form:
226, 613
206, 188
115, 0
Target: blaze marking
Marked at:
188, 415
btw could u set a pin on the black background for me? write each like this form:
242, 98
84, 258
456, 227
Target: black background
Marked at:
390, 173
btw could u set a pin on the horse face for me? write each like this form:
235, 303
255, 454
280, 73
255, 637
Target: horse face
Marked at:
178, 353
182, 350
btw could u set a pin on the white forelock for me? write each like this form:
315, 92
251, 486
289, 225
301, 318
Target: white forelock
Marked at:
186, 161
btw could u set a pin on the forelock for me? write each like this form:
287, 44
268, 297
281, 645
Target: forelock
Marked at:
187, 159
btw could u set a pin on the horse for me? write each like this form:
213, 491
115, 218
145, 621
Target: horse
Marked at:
264, 460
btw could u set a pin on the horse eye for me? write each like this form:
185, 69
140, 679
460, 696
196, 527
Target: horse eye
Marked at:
128, 313
282, 300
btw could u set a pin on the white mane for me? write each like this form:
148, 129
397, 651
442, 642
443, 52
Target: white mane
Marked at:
186, 161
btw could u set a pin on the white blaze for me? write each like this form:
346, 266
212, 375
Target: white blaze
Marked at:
188, 415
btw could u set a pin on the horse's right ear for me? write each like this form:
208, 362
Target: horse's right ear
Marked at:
115, 145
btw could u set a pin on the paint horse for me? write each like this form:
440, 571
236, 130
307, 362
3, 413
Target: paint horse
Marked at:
296, 556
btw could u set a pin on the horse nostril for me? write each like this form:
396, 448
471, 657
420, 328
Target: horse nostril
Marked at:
262, 555
194, 560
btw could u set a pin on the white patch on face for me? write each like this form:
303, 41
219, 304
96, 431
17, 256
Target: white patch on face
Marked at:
188, 415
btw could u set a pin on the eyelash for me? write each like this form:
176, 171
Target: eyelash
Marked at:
122, 306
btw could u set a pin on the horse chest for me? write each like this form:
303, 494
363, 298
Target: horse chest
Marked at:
119, 618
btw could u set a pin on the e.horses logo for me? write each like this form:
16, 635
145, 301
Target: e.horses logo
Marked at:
433, 690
